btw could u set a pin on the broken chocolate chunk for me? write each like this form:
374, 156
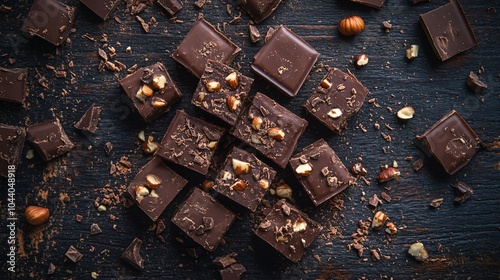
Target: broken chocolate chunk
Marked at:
463, 192
132, 254
226, 260
90, 119
73, 254
95, 229
475, 84
234, 272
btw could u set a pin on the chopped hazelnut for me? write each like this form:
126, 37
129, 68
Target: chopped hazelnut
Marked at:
153, 181
240, 186
240, 167
263, 183
326, 84
284, 191
300, 225
201, 96
358, 169
379, 219
406, 113
212, 145
256, 123
388, 174
233, 103
276, 133
418, 251
158, 102
232, 80
213, 86
159, 82
412, 52
335, 113
391, 228
147, 91
361, 60
304, 169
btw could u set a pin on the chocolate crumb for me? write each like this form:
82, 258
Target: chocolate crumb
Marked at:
385, 197
95, 229
73, 254
78, 218
52, 269
226, 260
463, 192
108, 147
435, 203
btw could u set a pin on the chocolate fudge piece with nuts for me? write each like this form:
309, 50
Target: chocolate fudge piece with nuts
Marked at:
154, 187
222, 91
244, 178
270, 128
320, 171
203, 219
190, 142
11, 147
288, 230
49, 139
151, 90
338, 97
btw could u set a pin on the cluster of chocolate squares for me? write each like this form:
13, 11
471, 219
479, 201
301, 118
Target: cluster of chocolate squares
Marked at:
285, 60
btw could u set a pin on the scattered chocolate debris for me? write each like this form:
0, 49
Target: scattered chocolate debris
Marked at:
78, 218
385, 197
374, 201
73, 254
463, 192
108, 147
254, 34
418, 164
235, 271
475, 84
226, 260
95, 229
435, 203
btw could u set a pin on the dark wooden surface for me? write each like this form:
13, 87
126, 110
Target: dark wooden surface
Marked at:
468, 234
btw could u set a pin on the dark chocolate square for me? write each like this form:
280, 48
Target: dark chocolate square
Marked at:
204, 42
203, 219
448, 30
270, 128
225, 100
370, 3
13, 84
11, 147
244, 178
259, 10
190, 142
171, 6
451, 141
49, 20
337, 91
151, 97
288, 230
154, 187
285, 61
102, 8
321, 172
90, 119
49, 139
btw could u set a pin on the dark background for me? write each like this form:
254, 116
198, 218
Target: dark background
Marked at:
462, 241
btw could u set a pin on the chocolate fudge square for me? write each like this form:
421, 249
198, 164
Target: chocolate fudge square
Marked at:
222, 91
288, 230
202, 43
49, 20
285, 61
49, 139
203, 219
11, 147
154, 187
151, 90
244, 178
448, 30
451, 141
102, 8
13, 84
190, 142
259, 10
90, 119
338, 97
320, 172
270, 128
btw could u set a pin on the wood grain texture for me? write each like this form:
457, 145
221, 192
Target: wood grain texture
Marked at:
468, 234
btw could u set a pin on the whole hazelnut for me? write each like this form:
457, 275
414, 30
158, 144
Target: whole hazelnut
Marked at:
352, 25
36, 215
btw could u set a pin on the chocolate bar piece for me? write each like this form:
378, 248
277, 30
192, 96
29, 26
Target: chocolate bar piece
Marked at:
13, 84
233, 272
11, 147
270, 128
202, 43
203, 219
336, 99
49, 20
288, 230
154, 187
102, 8
451, 141
90, 119
321, 172
259, 10
222, 91
49, 139
132, 254
151, 90
370, 3
448, 30
244, 179
190, 142
285, 61
171, 6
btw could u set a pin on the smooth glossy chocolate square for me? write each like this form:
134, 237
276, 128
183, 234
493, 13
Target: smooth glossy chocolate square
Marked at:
285, 60
13, 84
222, 91
102, 8
11, 147
370, 3
336, 99
49, 139
204, 42
190, 142
49, 20
448, 30
451, 141
244, 178
203, 219
259, 10
151, 90
288, 230
154, 187
320, 172
270, 128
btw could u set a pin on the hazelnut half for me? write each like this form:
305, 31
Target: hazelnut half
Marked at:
276, 133
240, 167
406, 113
361, 60
232, 80
388, 174
212, 86
36, 215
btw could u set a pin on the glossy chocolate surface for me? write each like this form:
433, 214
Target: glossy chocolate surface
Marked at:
90, 119
49, 139
13, 84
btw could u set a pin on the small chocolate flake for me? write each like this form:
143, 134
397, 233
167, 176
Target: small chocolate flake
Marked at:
73, 254
418, 164
95, 229
52, 269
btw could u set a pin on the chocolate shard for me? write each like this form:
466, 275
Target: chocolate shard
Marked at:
254, 33
95, 229
475, 84
102, 8
370, 3
11, 147
259, 10
234, 272
132, 254
90, 119
226, 260
108, 147
171, 6
73, 254
49, 139
463, 191
51, 269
